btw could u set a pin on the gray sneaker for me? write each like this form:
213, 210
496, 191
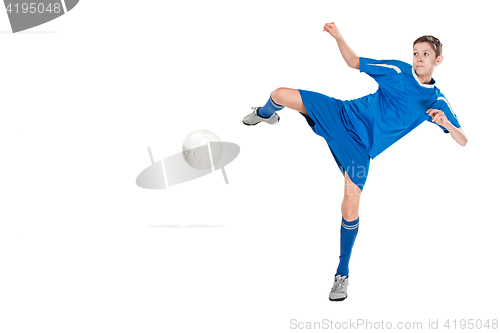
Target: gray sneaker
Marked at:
339, 290
253, 118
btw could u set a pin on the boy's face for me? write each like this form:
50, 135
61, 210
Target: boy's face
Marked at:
424, 59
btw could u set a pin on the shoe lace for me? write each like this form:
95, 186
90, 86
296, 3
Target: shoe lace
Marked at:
338, 283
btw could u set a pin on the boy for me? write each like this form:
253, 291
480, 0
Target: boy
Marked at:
358, 130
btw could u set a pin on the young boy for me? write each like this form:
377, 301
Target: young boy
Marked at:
358, 130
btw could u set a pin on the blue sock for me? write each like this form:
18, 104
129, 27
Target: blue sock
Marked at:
269, 109
348, 232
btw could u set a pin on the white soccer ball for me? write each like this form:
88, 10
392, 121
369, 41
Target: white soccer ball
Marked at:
198, 153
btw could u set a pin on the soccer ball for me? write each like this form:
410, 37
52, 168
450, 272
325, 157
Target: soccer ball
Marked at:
198, 153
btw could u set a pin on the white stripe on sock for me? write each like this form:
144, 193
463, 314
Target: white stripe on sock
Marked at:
350, 227
277, 106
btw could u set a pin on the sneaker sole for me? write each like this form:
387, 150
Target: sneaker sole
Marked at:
261, 122
337, 299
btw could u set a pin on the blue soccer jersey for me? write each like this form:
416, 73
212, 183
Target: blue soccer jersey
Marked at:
398, 106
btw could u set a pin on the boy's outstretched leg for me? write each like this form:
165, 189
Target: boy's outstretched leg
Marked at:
279, 98
348, 232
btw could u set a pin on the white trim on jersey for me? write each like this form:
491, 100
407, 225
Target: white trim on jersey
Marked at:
422, 84
441, 98
396, 68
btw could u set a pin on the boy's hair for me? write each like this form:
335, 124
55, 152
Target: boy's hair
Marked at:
436, 44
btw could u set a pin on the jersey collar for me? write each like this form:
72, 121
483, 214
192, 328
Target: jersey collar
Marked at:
433, 82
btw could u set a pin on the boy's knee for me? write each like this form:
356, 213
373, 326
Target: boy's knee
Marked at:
279, 96
350, 210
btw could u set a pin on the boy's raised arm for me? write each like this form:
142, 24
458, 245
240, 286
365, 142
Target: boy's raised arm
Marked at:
348, 54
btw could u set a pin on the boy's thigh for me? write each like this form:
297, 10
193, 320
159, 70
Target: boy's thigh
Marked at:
352, 192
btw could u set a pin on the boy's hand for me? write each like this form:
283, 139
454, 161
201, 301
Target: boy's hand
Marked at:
438, 117
331, 28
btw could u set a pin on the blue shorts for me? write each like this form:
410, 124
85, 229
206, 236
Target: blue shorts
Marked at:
328, 118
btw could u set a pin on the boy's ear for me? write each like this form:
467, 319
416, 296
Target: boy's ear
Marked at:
439, 60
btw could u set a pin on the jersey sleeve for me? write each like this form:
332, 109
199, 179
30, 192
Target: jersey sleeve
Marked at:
379, 69
443, 105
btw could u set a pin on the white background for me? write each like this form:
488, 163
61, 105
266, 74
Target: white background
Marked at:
83, 249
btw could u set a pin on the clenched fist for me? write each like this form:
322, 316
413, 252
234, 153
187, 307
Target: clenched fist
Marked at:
332, 29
